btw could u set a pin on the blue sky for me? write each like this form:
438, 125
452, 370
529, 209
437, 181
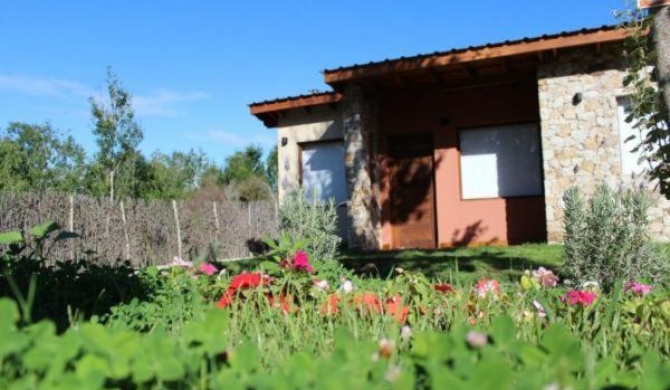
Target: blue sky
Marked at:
194, 66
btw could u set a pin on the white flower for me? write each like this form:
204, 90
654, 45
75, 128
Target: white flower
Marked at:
347, 286
322, 285
540, 309
406, 332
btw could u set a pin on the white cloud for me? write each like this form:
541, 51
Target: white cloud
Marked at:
162, 103
43, 86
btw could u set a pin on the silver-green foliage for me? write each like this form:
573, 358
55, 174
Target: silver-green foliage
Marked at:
606, 238
306, 218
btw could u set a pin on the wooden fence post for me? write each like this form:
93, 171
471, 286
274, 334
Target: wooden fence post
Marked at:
125, 230
176, 220
70, 225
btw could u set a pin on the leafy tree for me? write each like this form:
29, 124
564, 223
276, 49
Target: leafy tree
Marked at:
272, 168
243, 165
176, 175
118, 135
39, 158
650, 104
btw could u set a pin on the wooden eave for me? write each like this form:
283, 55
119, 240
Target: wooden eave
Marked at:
440, 61
270, 111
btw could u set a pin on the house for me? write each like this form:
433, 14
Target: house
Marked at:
469, 146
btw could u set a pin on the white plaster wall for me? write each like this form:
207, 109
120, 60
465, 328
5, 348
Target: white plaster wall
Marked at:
298, 126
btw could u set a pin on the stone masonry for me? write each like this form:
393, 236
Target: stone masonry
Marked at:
578, 94
359, 129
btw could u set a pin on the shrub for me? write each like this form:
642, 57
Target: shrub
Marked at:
306, 218
607, 240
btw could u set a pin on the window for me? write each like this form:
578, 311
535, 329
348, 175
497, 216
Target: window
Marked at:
501, 161
323, 170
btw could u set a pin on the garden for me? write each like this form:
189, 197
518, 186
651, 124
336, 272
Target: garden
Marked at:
592, 313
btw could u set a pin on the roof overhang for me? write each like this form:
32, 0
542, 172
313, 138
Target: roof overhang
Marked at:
470, 56
269, 111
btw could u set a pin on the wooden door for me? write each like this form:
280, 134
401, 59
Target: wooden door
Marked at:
412, 199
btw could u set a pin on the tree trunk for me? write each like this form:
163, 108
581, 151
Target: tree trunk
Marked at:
662, 46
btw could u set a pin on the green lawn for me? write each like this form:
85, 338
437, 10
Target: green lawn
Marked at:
459, 265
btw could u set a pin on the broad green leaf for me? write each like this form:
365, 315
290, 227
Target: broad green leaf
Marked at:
42, 230
11, 237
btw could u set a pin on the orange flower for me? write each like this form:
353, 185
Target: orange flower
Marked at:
330, 305
368, 302
396, 309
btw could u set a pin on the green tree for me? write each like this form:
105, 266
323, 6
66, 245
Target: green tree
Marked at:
245, 174
118, 135
649, 48
272, 168
243, 165
176, 175
39, 158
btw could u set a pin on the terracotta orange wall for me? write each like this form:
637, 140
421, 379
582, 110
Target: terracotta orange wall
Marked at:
443, 113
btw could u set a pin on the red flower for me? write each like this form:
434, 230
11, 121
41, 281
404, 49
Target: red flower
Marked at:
225, 300
246, 280
580, 297
444, 287
301, 262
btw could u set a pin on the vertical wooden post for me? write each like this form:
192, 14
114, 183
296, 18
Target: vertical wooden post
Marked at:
125, 230
176, 220
70, 225
216, 218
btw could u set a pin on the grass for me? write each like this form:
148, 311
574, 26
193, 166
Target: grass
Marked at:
458, 264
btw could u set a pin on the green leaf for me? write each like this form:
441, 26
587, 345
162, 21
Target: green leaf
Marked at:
11, 237
42, 230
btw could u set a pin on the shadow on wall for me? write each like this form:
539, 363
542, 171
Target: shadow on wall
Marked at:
470, 234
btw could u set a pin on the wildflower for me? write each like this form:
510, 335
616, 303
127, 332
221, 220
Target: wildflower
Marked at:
444, 287
178, 262
580, 297
393, 373
301, 262
545, 277
637, 288
406, 332
395, 308
347, 286
226, 299
368, 302
486, 287
321, 285
476, 339
284, 302
245, 280
591, 286
207, 269
541, 312
386, 347
330, 305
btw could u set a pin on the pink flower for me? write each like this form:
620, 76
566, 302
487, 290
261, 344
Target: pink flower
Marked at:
638, 288
580, 297
301, 262
207, 269
545, 277
178, 262
486, 287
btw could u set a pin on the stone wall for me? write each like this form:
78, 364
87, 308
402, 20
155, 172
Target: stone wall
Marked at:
359, 122
578, 94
